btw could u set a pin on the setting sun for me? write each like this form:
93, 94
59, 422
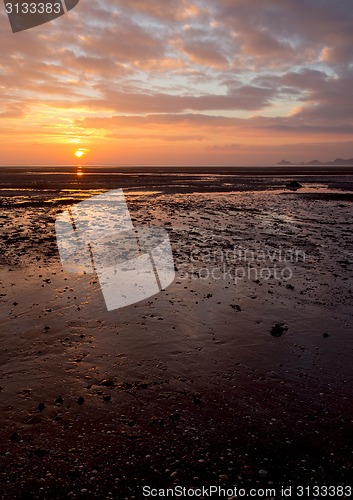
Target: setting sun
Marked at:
80, 152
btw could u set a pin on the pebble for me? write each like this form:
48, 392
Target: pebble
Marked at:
278, 329
14, 436
107, 382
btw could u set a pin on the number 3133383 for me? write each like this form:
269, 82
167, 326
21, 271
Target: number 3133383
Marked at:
33, 8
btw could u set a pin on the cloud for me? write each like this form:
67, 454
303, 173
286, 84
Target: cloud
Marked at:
12, 110
283, 28
243, 98
215, 73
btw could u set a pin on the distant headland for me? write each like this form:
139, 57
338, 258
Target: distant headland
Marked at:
337, 161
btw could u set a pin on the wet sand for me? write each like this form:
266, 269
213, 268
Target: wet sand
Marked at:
188, 387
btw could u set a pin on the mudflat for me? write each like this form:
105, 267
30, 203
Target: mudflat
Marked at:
239, 374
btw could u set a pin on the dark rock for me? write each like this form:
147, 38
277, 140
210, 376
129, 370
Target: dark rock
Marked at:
80, 400
41, 407
279, 329
14, 436
59, 401
326, 335
196, 398
294, 185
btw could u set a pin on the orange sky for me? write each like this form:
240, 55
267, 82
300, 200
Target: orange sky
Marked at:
188, 82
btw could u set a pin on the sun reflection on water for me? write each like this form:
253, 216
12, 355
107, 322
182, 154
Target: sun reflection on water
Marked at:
79, 171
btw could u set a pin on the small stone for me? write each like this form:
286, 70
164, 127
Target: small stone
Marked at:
41, 407
59, 401
107, 382
80, 400
223, 477
14, 436
263, 472
278, 329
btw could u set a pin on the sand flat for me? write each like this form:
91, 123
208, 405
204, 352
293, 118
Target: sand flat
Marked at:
191, 378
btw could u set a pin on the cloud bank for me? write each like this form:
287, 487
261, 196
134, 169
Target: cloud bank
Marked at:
133, 80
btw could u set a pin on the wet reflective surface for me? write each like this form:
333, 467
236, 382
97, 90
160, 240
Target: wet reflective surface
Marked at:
191, 377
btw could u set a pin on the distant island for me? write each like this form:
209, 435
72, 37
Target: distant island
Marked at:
337, 161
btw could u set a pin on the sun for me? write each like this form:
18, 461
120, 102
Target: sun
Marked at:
80, 152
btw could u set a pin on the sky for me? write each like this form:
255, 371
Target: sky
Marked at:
182, 82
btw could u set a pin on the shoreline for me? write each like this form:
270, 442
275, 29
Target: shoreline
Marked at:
187, 169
